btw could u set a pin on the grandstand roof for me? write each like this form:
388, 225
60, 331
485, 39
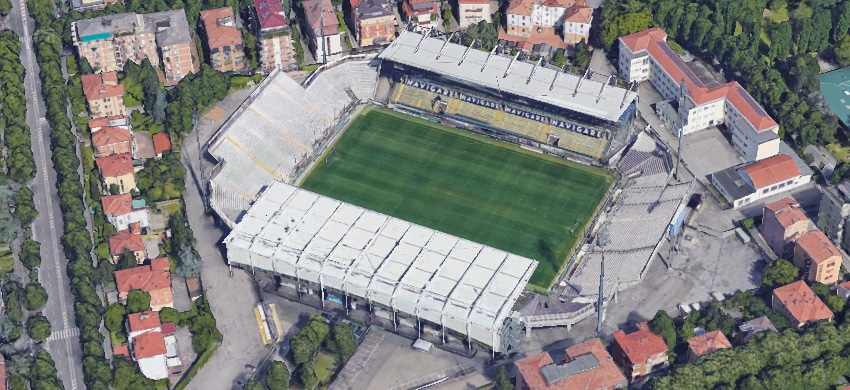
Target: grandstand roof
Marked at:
493, 73
469, 287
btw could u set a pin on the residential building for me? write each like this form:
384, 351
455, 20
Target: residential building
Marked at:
223, 40
421, 11
128, 240
587, 366
646, 56
748, 329
473, 12
577, 23
164, 38
161, 143
843, 290
154, 279
639, 353
105, 97
112, 140
121, 211
374, 21
274, 36
819, 259
799, 304
117, 170
144, 322
535, 24
834, 209
782, 223
321, 28
120, 121
706, 343
750, 183
147, 344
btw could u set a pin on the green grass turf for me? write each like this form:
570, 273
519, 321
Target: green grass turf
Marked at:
463, 184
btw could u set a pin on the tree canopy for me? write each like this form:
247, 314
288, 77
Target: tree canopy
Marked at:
38, 328
778, 273
138, 301
277, 377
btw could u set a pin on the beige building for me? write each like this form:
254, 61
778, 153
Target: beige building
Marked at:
223, 40
105, 97
117, 169
374, 21
473, 11
274, 36
164, 38
817, 257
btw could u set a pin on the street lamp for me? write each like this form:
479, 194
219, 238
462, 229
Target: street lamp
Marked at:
601, 241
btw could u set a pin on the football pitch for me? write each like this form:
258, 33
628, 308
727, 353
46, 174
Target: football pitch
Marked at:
483, 190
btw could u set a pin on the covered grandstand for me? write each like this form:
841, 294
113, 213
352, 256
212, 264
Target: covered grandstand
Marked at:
397, 269
280, 128
504, 94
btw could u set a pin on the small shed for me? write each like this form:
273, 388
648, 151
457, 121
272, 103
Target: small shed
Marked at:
422, 345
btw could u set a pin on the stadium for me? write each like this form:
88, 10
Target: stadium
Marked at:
384, 183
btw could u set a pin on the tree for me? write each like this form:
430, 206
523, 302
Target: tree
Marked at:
484, 32
842, 51
779, 273
277, 377
308, 377
30, 254
503, 381
168, 314
38, 328
582, 56
158, 106
138, 301
254, 385
780, 41
113, 318
5, 7
128, 260
35, 296
300, 349
342, 341
664, 326
24, 205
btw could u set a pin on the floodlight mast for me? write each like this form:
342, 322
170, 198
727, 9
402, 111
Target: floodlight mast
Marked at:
601, 242
683, 117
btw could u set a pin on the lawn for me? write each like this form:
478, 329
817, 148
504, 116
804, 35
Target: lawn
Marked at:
841, 153
325, 364
463, 184
778, 15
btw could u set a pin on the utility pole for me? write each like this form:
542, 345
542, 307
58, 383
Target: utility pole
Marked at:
683, 117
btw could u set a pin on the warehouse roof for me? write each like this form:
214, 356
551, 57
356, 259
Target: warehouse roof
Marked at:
395, 263
502, 73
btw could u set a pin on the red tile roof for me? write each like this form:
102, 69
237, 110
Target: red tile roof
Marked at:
524, 7
114, 120
787, 212
220, 34
160, 264
142, 278
3, 375
802, 302
270, 14
125, 240
101, 85
313, 14
770, 171
817, 246
115, 165
708, 343
473, 1
547, 35
640, 345
161, 143
110, 136
579, 14
194, 286
143, 321
116, 205
640, 40
605, 376
121, 350
654, 41
168, 328
149, 344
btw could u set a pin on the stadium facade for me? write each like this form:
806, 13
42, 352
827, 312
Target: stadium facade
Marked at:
576, 113
398, 270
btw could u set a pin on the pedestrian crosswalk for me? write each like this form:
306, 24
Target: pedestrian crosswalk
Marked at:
64, 334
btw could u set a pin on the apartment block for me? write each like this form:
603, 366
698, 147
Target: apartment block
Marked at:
374, 21
104, 96
647, 56
117, 170
782, 223
586, 366
223, 40
799, 304
322, 30
543, 26
833, 213
164, 38
819, 259
275, 41
639, 353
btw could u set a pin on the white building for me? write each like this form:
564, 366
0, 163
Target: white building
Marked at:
646, 56
473, 11
833, 213
402, 272
148, 347
322, 25
577, 23
750, 183
121, 211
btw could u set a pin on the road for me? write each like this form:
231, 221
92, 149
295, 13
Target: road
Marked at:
64, 344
